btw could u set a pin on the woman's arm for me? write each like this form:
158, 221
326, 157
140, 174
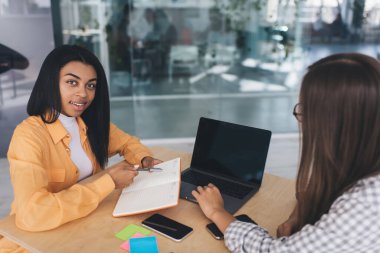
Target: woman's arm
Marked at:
211, 203
36, 206
351, 225
286, 228
126, 145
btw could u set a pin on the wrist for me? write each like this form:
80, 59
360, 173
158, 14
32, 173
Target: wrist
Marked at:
219, 214
222, 219
112, 176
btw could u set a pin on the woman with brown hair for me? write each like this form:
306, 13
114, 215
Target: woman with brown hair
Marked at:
338, 182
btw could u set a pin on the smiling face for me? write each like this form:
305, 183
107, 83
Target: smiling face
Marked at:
77, 85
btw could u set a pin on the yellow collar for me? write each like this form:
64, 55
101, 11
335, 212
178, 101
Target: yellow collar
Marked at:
57, 131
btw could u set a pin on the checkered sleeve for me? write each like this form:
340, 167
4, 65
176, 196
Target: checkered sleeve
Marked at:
351, 225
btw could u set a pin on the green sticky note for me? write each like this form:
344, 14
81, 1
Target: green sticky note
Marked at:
130, 230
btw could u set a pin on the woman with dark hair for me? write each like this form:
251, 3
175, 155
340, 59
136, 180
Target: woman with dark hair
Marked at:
338, 182
68, 137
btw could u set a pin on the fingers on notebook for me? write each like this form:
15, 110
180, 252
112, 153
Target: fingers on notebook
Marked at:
157, 161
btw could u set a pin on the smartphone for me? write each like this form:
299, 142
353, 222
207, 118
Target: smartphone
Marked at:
217, 234
167, 227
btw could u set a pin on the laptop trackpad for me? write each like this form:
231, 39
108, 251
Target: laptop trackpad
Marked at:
186, 190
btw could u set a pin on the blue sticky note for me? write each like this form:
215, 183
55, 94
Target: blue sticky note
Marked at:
143, 245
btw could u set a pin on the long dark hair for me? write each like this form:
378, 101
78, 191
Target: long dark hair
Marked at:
340, 128
45, 99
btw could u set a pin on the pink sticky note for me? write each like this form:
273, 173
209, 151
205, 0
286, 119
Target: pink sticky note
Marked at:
125, 245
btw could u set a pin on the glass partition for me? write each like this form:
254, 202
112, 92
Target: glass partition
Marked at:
170, 62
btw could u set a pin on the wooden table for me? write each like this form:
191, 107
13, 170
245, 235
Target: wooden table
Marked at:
96, 232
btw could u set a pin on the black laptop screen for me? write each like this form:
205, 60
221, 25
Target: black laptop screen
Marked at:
235, 151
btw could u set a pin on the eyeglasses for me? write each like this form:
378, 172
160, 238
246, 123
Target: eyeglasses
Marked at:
297, 112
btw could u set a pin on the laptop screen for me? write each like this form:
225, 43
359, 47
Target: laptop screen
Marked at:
234, 151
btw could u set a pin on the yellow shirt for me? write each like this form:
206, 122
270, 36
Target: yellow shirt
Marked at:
44, 178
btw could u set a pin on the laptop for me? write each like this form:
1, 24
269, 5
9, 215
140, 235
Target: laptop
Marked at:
230, 156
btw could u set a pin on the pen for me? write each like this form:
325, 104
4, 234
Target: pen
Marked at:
159, 225
151, 169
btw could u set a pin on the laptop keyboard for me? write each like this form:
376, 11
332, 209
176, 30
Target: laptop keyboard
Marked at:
226, 187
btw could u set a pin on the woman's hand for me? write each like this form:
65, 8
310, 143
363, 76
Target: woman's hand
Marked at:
123, 174
149, 162
286, 228
209, 199
211, 202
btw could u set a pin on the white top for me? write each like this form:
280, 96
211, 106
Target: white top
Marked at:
77, 154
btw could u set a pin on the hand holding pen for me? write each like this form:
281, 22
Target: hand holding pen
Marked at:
148, 163
123, 174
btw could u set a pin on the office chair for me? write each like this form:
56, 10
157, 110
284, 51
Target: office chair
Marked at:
9, 60
182, 56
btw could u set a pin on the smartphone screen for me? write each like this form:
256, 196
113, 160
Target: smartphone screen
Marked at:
167, 227
245, 218
214, 230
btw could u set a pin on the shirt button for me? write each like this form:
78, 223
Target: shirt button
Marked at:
67, 149
76, 172
67, 136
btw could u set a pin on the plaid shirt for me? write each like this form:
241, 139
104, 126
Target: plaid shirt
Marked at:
351, 225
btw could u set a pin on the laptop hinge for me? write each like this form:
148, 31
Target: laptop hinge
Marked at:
252, 185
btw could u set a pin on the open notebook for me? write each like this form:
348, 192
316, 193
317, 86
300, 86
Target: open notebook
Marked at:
151, 190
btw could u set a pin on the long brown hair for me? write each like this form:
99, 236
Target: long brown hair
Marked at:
340, 131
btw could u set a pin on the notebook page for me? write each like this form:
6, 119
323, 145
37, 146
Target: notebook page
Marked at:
148, 199
171, 171
151, 191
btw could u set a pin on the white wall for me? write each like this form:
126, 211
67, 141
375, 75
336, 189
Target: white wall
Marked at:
32, 36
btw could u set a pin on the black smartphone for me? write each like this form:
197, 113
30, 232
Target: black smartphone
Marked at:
217, 234
167, 227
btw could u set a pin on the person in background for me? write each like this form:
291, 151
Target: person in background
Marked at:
320, 28
141, 25
338, 182
67, 138
338, 28
119, 41
160, 40
220, 30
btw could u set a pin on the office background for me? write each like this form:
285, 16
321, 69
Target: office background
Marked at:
170, 62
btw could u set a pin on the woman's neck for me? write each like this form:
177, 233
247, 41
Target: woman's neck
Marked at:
66, 120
